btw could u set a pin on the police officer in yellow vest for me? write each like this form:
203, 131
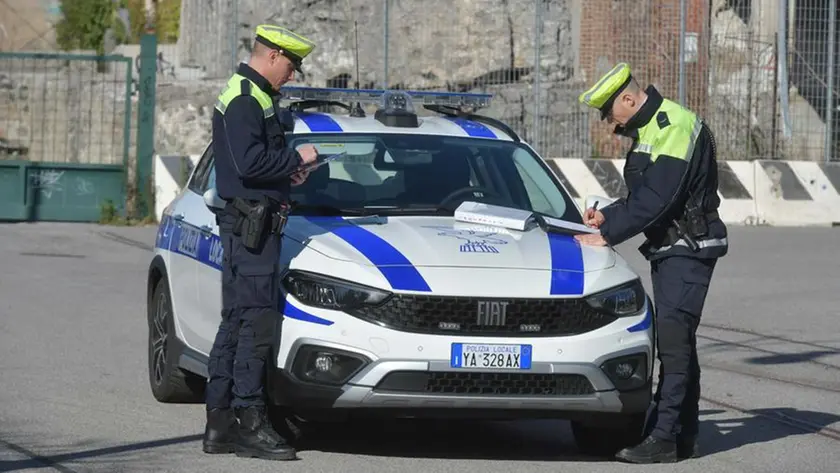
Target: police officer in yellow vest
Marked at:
671, 175
254, 171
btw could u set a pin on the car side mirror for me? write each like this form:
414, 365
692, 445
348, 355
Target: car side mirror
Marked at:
212, 199
601, 200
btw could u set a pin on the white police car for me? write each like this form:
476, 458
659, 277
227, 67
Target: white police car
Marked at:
393, 305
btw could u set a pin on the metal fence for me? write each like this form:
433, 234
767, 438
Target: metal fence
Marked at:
65, 108
764, 73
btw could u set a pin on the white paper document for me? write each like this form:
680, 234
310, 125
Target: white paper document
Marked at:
515, 219
577, 227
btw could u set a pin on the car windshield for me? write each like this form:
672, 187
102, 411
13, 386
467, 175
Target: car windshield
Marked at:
392, 174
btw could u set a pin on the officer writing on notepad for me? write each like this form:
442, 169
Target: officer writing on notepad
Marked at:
671, 175
254, 172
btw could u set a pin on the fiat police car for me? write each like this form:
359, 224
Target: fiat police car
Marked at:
428, 270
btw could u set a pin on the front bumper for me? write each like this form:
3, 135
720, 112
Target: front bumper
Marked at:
420, 388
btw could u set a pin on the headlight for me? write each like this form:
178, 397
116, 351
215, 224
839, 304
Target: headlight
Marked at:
622, 301
327, 293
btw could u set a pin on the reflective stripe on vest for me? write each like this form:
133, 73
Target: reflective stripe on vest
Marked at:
643, 148
233, 89
707, 243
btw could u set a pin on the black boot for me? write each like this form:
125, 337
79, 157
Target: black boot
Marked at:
221, 431
258, 439
651, 450
687, 447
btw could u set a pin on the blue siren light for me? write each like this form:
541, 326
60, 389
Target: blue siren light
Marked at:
395, 99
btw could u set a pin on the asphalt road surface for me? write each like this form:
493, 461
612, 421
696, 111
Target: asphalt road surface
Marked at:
74, 394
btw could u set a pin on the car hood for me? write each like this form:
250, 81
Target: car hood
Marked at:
444, 242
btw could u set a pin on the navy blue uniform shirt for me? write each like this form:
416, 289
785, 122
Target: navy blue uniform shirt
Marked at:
251, 156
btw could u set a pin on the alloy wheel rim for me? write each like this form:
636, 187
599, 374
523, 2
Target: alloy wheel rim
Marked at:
159, 333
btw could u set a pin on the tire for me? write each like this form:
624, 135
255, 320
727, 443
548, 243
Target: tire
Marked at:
289, 426
607, 441
169, 383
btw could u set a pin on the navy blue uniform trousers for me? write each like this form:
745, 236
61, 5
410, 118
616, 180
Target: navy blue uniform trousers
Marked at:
250, 300
680, 286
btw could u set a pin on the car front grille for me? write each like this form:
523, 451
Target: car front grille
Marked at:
460, 315
486, 384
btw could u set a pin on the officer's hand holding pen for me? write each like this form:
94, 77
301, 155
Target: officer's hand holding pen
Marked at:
299, 177
592, 217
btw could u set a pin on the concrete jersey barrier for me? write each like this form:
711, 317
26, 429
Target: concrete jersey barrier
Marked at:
169, 171
778, 193
762, 192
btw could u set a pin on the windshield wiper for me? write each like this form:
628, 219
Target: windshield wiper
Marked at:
411, 210
329, 210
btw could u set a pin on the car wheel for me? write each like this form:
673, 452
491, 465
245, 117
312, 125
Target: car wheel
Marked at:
169, 383
607, 441
289, 426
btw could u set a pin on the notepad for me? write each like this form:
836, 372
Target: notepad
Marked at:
575, 227
321, 161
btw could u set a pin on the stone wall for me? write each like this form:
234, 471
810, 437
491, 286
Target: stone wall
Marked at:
476, 46
488, 46
64, 111
183, 116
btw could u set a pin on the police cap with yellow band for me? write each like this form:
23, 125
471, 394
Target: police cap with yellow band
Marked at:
292, 45
602, 95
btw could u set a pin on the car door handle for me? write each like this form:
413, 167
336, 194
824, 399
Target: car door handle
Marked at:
178, 218
207, 230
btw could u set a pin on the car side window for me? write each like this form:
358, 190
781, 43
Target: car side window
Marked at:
198, 182
211, 176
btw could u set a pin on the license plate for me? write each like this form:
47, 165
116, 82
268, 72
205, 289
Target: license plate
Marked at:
487, 356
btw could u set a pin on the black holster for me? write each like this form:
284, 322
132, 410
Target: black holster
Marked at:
679, 231
694, 225
256, 220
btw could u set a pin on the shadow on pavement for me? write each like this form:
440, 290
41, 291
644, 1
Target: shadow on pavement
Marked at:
520, 440
718, 436
788, 358
36, 461
537, 440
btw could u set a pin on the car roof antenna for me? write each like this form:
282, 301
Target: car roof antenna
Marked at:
356, 110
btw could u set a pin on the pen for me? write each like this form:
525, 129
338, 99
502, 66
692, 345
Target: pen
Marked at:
595, 206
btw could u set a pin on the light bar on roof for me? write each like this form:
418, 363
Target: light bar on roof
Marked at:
453, 99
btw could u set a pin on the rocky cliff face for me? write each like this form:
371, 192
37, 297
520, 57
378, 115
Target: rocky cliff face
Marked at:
430, 42
478, 46
183, 116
